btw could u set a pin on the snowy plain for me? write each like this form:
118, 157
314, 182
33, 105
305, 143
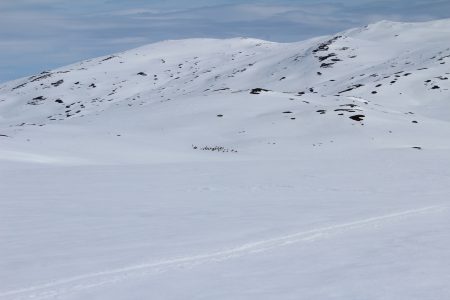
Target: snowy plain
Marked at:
233, 169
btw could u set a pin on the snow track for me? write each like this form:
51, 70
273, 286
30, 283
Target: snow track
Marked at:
58, 289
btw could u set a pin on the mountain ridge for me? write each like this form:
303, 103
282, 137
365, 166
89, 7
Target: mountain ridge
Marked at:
387, 72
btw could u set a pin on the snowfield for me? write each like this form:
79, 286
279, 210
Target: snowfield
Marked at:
233, 169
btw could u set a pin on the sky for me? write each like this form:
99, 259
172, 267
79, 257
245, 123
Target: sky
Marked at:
38, 35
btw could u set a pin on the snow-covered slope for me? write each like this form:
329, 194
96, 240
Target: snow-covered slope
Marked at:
392, 78
232, 169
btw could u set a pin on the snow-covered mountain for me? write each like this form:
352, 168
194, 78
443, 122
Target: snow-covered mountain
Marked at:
232, 169
385, 85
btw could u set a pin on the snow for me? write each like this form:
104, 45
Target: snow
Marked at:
115, 193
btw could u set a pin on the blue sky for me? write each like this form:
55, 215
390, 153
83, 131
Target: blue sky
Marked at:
37, 35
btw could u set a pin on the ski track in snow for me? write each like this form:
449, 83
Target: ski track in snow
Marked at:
67, 286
